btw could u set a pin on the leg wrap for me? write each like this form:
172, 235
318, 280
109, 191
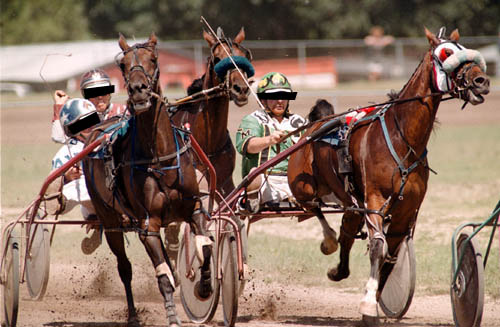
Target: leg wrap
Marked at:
163, 269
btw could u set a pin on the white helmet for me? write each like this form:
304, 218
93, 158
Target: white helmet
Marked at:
77, 115
95, 83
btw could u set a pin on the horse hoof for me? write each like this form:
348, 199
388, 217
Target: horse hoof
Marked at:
174, 322
370, 321
328, 248
133, 322
334, 275
202, 293
90, 244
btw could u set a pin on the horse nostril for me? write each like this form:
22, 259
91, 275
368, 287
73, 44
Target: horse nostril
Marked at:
237, 88
479, 80
482, 83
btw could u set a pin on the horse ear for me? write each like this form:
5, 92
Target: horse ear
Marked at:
153, 39
241, 36
431, 37
123, 43
209, 38
454, 36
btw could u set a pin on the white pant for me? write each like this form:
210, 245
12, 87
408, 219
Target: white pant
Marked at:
76, 193
274, 188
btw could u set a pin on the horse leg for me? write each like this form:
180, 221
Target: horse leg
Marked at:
172, 241
378, 252
159, 258
329, 244
203, 245
351, 224
117, 246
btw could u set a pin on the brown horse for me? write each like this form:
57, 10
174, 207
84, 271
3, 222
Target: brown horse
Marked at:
389, 173
209, 117
154, 180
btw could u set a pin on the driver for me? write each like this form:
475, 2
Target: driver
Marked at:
95, 86
257, 140
78, 117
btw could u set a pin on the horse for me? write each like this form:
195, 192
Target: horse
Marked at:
386, 150
153, 182
210, 117
321, 109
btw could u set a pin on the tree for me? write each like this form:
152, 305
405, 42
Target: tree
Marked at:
25, 21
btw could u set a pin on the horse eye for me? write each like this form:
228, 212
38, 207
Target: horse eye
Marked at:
445, 53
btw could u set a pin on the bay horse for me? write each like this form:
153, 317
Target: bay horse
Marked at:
154, 179
389, 170
209, 116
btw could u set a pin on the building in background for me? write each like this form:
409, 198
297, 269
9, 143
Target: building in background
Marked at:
25, 68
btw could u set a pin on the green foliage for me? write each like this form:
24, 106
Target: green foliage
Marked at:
25, 21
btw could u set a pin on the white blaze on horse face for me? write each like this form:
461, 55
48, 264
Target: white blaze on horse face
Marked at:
368, 306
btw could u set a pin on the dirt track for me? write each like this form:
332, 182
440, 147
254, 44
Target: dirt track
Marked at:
78, 299
82, 295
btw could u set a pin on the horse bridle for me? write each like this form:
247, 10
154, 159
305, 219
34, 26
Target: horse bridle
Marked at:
458, 76
225, 40
136, 64
222, 39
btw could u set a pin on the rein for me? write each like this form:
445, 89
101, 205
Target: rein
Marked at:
329, 117
214, 92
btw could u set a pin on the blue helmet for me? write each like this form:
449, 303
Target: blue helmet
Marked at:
77, 115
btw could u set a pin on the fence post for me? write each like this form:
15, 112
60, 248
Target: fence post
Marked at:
301, 55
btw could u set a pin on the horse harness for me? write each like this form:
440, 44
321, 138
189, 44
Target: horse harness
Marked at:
137, 65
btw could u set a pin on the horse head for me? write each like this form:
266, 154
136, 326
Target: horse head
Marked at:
222, 51
139, 66
458, 70
320, 110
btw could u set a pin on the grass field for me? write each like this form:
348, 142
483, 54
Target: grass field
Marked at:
464, 150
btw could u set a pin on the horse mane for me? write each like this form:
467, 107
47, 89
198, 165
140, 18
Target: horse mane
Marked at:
393, 95
196, 85
321, 109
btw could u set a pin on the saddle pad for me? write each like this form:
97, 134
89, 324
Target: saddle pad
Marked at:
339, 134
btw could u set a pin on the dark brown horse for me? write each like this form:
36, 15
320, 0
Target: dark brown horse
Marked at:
209, 117
389, 174
154, 180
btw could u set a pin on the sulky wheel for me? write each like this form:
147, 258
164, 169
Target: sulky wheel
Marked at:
230, 280
10, 282
398, 290
467, 293
38, 261
198, 310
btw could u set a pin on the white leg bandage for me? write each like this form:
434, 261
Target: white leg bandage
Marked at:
200, 242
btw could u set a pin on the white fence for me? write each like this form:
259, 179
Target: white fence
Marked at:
401, 57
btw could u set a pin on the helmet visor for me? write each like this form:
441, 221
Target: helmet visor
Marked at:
277, 95
83, 123
94, 92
